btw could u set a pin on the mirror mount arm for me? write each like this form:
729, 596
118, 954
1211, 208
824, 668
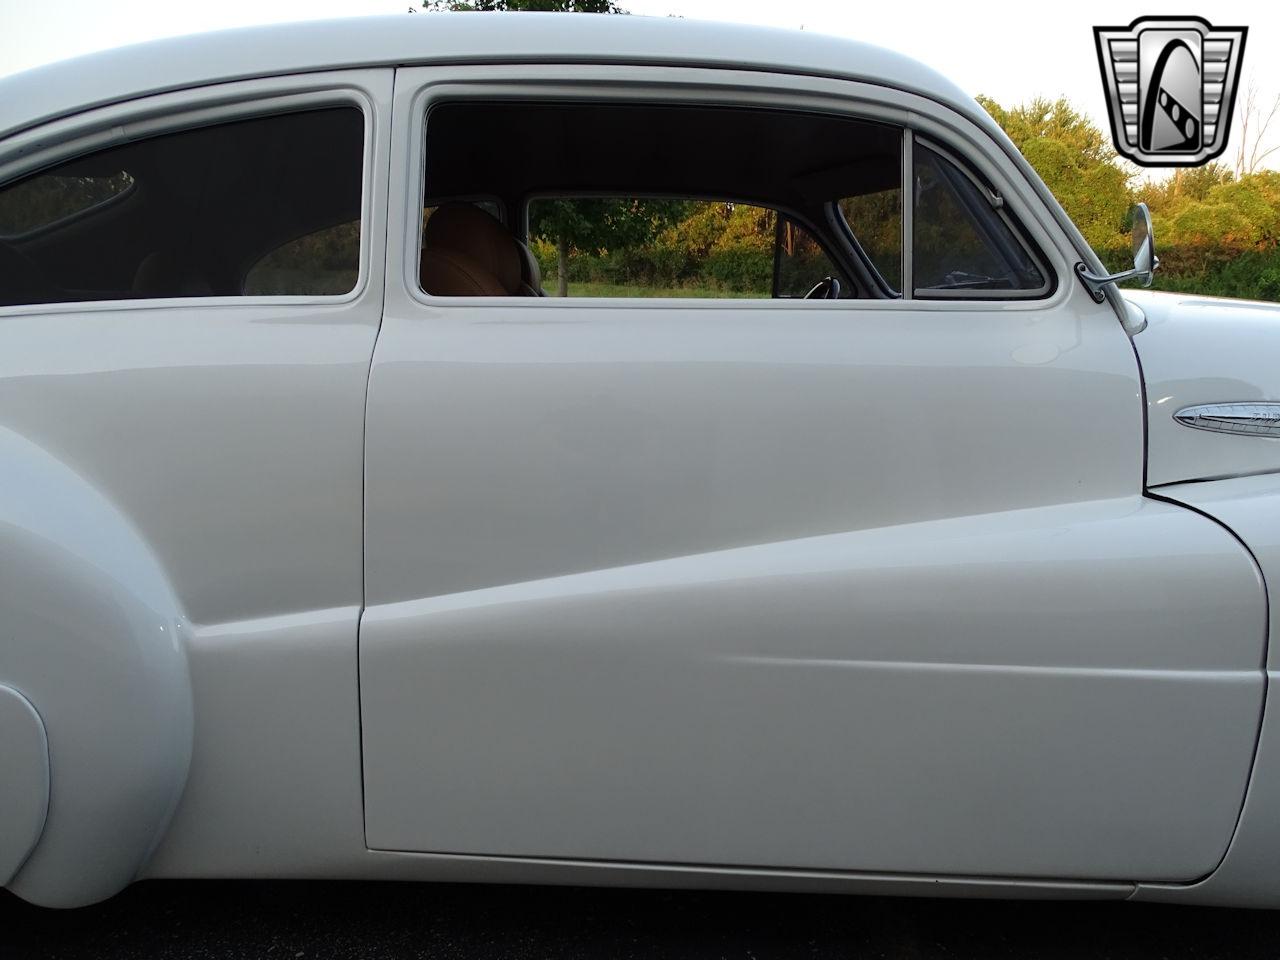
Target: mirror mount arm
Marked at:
1095, 283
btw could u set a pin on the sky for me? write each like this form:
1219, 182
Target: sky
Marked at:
1011, 51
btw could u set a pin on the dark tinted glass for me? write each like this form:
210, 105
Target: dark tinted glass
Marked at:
41, 201
802, 263
652, 247
666, 200
324, 263
669, 247
876, 222
960, 242
264, 206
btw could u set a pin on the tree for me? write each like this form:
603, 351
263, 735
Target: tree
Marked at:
1171, 197
598, 226
530, 6
1255, 120
1075, 159
1186, 184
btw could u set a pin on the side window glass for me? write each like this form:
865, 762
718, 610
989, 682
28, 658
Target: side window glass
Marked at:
875, 219
263, 206
788, 204
598, 206
961, 243
323, 263
646, 247
49, 198
489, 206
671, 247
802, 264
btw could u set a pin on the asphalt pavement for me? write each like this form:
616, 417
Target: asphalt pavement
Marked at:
372, 921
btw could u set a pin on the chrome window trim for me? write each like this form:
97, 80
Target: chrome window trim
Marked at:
908, 213
1000, 209
107, 127
591, 83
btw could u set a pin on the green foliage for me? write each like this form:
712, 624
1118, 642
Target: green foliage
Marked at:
1253, 275
591, 289
876, 220
1075, 160
740, 269
594, 227
1193, 183
656, 243
1215, 234
598, 225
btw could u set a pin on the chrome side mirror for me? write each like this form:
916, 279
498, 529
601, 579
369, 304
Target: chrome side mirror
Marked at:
1145, 261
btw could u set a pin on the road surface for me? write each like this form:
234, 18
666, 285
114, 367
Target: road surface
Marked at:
371, 921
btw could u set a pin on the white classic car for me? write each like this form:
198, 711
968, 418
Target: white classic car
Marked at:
332, 547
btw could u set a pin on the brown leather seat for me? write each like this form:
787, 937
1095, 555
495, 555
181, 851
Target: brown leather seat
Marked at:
467, 253
169, 274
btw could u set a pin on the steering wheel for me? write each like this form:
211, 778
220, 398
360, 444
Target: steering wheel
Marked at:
828, 288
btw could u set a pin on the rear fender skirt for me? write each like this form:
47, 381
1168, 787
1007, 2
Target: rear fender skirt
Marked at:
24, 780
94, 640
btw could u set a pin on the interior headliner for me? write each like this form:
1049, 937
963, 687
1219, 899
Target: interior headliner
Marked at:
784, 159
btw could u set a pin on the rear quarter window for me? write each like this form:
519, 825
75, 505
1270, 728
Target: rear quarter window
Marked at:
265, 205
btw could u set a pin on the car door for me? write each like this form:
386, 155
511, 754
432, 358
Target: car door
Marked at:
190, 291
861, 585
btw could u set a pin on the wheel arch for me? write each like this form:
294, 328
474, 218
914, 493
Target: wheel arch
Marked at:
94, 639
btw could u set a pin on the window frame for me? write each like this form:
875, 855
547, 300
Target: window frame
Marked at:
420, 88
998, 207
49, 145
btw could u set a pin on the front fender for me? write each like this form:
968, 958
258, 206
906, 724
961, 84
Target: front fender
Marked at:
93, 638
1249, 875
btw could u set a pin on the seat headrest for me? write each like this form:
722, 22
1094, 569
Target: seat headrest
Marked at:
169, 274
531, 272
467, 253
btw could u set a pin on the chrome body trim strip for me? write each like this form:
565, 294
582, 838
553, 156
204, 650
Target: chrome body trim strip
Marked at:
1251, 418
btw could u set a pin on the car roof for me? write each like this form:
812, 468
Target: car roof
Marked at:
72, 86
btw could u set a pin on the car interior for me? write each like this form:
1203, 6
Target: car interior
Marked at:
467, 252
800, 165
271, 205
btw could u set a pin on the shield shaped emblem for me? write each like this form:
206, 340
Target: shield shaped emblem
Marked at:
1171, 87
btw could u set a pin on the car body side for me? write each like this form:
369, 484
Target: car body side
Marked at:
245, 504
